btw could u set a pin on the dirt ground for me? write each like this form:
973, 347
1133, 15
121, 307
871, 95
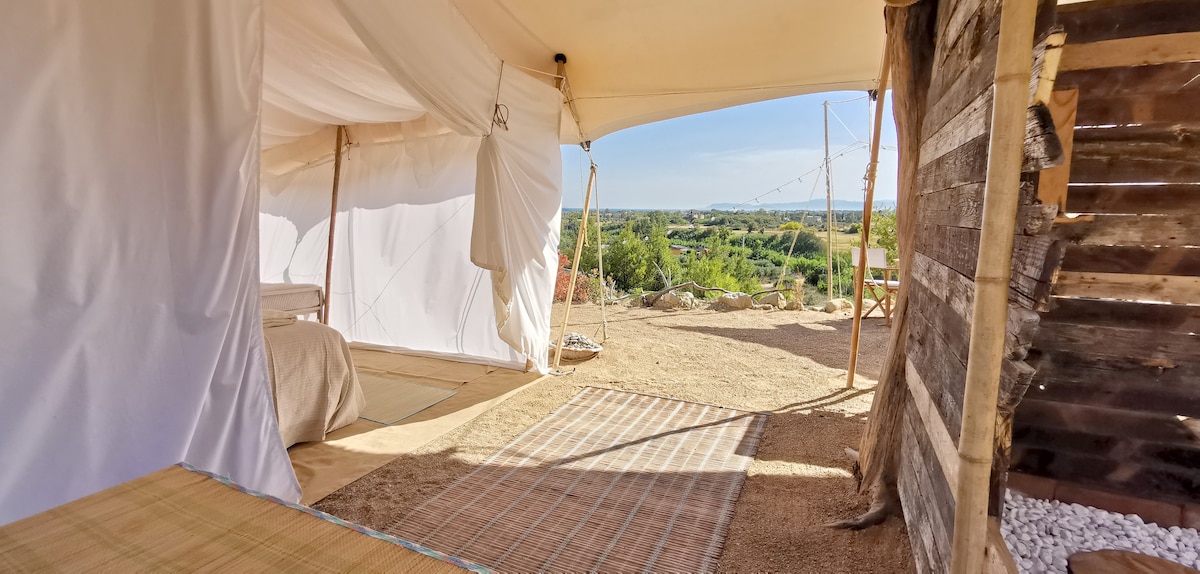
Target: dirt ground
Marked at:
788, 363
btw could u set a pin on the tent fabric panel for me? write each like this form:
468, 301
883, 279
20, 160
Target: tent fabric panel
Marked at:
402, 274
132, 336
435, 55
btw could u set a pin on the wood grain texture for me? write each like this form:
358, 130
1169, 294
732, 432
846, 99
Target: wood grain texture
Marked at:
1157, 319
1119, 342
1147, 153
1161, 199
1109, 20
1136, 51
1162, 288
1130, 230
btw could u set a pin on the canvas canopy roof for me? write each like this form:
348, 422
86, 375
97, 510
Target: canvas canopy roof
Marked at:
630, 62
134, 228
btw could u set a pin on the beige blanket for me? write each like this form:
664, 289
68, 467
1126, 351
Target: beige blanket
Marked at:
312, 376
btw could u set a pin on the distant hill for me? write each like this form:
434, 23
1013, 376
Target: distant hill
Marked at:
812, 205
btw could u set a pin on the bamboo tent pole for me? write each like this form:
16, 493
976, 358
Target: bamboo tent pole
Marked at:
989, 315
333, 205
587, 199
828, 211
600, 267
868, 204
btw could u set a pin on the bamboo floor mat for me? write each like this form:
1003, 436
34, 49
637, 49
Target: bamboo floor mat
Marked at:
177, 520
610, 481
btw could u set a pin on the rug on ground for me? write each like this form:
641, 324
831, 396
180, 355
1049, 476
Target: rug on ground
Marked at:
610, 481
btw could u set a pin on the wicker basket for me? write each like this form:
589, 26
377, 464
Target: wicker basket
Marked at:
576, 354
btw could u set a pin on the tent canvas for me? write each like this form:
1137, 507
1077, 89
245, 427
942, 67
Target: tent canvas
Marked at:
136, 132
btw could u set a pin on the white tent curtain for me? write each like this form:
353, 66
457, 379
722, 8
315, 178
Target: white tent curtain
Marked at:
435, 56
402, 274
129, 239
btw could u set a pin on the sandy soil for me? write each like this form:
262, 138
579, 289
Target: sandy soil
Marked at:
791, 364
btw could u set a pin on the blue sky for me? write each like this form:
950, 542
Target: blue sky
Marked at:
732, 156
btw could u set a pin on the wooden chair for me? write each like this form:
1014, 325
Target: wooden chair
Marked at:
882, 289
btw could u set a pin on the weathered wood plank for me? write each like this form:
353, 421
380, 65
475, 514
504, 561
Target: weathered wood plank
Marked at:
1108, 20
999, 558
1103, 473
1084, 368
1177, 461
953, 303
1130, 230
1119, 342
942, 490
941, 443
965, 165
958, 249
958, 54
922, 507
971, 122
1168, 199
1176, 107
1104, 422
1132, 81
943, 373
1158, 319
1053, 182
1162, 288
1183, 400
1148, 153
1137, 51
963, 207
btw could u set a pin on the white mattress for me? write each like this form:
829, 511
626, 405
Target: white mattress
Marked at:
297, 298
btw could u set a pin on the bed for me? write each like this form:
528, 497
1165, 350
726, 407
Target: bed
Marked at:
183, 520
312, 373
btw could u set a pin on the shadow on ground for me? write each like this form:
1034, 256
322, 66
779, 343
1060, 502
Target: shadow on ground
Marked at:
826, 342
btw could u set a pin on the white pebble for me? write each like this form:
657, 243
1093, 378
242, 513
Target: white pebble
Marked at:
1042, 534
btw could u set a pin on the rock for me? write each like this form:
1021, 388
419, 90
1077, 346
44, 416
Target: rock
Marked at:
835, 305
764, 307
733, 302
668, 300
813, 308
776, 300
794, 305
688, 300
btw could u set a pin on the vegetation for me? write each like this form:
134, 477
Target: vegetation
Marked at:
738, 251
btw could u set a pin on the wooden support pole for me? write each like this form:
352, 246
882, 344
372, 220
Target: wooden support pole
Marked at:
587, 199
828, 211
600, 269
333, 206
976, 447
868, 204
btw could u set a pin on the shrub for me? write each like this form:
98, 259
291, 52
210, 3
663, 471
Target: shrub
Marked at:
563, 281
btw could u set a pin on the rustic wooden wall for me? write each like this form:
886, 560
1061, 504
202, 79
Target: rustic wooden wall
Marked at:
950, 182
1116, 399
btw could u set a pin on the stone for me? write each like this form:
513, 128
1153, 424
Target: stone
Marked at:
733, 302
835, 305
764, 307
687, 300
776, 300
668, 300
794, 305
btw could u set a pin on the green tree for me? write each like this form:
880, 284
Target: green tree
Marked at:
626, 260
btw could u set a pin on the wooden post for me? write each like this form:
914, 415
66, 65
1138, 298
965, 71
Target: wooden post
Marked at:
600, 268
868, 203
587, 199
333, 205
976, 447
828, 211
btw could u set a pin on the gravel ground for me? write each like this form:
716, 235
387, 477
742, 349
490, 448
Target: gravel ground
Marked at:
1042, 533
789, 363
